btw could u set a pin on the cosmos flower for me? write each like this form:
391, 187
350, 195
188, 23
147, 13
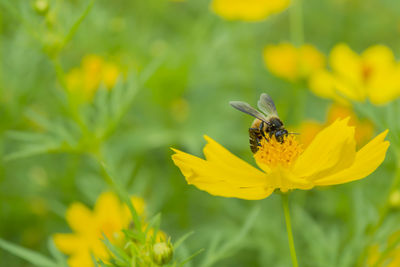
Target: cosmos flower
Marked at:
249, 10
109, 216
373, 75
330, 159
293, 63
94, 70
364, 129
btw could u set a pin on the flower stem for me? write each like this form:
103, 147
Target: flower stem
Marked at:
285, 203
296, 22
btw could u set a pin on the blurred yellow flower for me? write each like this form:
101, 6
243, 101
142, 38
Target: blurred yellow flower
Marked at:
374, 75
86, 79
364, 129
389, 258
394, 199
330, 159
293, 63
109, 216
248, 10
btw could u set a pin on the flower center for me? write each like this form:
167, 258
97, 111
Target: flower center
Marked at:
273, 153
366, 72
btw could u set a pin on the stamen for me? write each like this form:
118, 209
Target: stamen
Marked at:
274, 153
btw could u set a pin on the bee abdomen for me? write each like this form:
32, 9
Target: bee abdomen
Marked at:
254, 139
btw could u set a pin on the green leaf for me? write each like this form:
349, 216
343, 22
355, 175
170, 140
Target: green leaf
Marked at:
135, 235
182, 239
31, 150
119, 254
57, 255
191, 257
155, 225
26, 254
229, 247
31, 137
95, 263
123, 194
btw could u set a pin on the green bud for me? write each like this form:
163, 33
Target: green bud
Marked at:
41, 7
394, 199
162, 252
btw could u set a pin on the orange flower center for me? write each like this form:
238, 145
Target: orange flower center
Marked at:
273, 153
366, 72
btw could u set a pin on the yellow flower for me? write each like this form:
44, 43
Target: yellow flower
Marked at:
374, 75
330, 159
292, 63
364, 129
109, 216
93, 71
248, 10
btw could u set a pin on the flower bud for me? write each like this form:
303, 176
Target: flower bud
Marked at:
394, 199
41, 7
162, 252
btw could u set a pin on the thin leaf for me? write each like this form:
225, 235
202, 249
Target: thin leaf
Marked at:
94, 261
77, 23
155, 225
182, 239
31, 137
32, 151
123, 194
191, 257
26, 254
119, 254
39, 119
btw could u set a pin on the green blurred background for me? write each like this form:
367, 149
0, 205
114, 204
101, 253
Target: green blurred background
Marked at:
191, 63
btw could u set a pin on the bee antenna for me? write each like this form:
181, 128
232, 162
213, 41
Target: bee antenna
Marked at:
294, 133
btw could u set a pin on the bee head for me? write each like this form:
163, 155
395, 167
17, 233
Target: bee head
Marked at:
276, 123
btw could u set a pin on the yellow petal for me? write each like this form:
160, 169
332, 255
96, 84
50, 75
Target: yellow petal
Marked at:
250, 10
109, 214
346, 64
79, 218
378, 57
322, 83
308, 130
328, 85
110, 74
384, 86
331, 150
364, 128
281, 60
310, 60
367, 160
82, 259
69, 243
286, 180
222, 173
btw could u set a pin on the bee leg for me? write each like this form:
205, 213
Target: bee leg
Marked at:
270, 134
261, 129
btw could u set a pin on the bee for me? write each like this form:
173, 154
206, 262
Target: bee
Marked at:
265, 125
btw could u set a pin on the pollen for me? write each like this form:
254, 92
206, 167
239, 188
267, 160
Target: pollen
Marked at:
273, 153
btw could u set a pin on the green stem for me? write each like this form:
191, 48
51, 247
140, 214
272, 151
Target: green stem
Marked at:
296, 22
285, 203
122, 193
76, 25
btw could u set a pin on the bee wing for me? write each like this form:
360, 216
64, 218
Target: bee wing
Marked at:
266, 105
246, 108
